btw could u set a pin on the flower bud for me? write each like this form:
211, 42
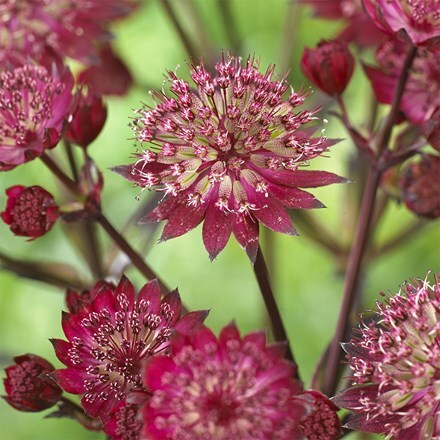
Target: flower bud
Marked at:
420, 187
30, 211
87, 120
28, 386
329, 66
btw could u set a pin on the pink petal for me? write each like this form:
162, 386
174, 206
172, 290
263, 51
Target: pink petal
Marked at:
229, 332
191, 322
349, 398
154, 368
173, 299
383, 84
294, 198
61, 348
162, 211
70, 380
246, 232
125, 287
151, 292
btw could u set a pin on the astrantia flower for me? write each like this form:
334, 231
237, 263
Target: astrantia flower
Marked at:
111, 336
420, 186
71, 27
359, 27
230, 153
396, 367
323, 422
28, 385
228, 388
33, 105
30, 211
420, 19
329, 66
422, 92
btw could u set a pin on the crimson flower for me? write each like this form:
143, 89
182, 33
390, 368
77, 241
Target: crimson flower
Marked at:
111, 336
323, 422
359, 27
329, 66
30, 211
33, 105
421, 97
396, 367
230, 153
420, 186
232, 387
28, 385
70, 27
87, 120
419, 19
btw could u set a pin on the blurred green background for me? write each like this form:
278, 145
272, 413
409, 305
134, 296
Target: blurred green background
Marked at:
307, 279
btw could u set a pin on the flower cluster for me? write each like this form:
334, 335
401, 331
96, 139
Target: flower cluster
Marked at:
396, 367
109, 338
230, 153
223, 388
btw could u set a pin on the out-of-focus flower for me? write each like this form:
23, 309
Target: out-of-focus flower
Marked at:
420, 19
229, 153
422, 92
359, 27
420, 186
431, 129
125, 422
396, 367
110, 76
72, 28
329, 66
33, 105
111, 336
323, 421
75, 299
28, 385
232, 387
30, 211
87, 119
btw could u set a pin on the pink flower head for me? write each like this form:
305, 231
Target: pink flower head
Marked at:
396, 367
230, 153
70, 27
420, 186
88, 118
111, 336
422, 92
359, 27
323, 422
30, 211
28, 385
33, 105
419, 19
329, 66
228, 388
125, 422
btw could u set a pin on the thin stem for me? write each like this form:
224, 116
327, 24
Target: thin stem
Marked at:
186, 41
288, 36
136, 259
230, 25
356, 256
71, 159
262, 275
93, 245
68, 408
56, 170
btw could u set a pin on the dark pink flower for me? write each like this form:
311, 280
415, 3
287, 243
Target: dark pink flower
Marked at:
228, 388
111, 336
419, 19
329, 66
70, 27
30, 211
422, 92
359, 27
28, 386
420, 186
75, 299
110, 76
87, 120
125, 422
229, 153
396, 367
323, 422
33, 105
